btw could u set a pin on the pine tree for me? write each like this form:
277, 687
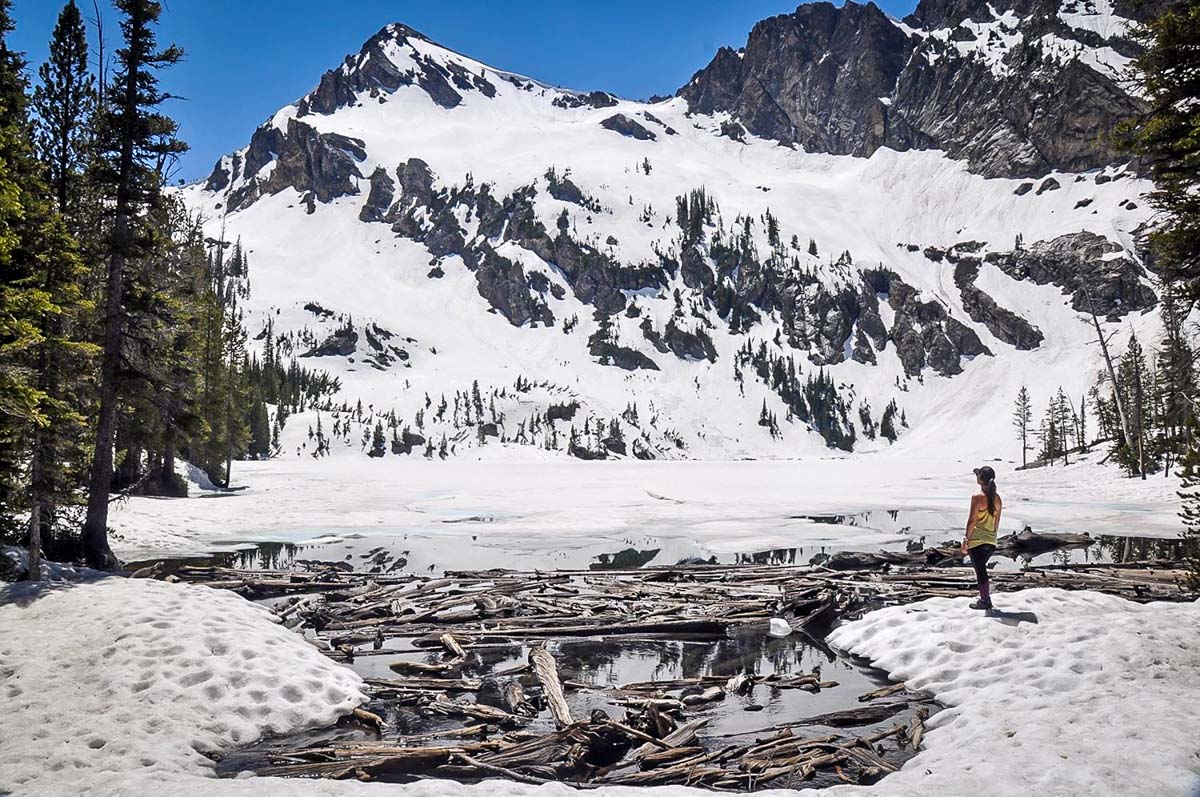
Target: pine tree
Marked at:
1164, 137
135, 141
1189, 472
1022, 418
63, 103
378, 442
40, 296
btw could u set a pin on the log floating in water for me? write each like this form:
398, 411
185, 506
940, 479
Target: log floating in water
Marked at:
546, 670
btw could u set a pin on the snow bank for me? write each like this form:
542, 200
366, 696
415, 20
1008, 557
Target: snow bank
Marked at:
116, 679
1100, 696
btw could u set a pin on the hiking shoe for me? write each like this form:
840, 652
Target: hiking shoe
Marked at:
982, 604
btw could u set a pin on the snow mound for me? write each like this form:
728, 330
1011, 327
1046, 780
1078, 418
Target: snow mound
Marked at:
1099, 696
106, 679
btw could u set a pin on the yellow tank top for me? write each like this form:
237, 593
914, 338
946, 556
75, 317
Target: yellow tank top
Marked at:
984, 532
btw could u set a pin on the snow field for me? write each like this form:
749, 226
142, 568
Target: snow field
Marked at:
104, 679
1100, 696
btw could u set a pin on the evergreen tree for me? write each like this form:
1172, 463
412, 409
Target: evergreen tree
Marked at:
1165, 138
378, 442
40, 295
63, 103
1022, 418
135, 143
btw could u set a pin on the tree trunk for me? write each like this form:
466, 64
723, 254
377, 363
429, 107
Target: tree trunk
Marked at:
95, 528
1112, 374
35, 514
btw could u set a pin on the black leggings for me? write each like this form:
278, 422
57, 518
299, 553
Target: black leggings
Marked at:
979, 559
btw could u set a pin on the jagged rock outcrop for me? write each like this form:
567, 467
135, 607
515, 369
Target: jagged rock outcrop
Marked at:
374, 70
1012, 87
324, 165
1091, 269
1001, 322
342, 343
924, 333
620, 123
805, 78
592, 99
383, 191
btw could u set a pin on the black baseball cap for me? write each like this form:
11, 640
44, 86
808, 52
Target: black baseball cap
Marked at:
986, 473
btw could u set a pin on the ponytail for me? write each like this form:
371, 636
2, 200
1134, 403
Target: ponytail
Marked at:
989, 489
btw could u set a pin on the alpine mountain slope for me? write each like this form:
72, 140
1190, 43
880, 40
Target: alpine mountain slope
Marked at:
857, 233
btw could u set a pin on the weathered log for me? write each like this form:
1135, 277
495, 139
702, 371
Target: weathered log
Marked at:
885, 691
546, 670
514, 698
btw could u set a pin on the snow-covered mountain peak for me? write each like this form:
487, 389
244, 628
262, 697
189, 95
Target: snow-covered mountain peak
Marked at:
851, 232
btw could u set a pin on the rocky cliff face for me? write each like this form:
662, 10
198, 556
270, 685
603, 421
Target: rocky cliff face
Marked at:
1016, 88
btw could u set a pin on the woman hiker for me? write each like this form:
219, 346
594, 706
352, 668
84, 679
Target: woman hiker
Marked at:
980, 542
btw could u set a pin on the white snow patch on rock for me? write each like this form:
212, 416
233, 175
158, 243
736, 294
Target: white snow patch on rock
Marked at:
116, 679
1099, 696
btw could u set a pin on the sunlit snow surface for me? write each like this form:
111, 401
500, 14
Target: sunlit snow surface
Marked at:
565, 504
104, 679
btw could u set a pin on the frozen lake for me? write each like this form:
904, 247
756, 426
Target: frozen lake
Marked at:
572, 514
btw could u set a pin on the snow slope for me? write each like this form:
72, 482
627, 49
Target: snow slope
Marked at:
873, 208
107, 680
1098, 696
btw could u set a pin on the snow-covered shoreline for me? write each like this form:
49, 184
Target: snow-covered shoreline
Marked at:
118, 686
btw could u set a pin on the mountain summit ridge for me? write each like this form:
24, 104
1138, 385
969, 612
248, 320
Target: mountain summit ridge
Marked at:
1017, 88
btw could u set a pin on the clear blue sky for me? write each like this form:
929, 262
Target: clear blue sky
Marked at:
247, 58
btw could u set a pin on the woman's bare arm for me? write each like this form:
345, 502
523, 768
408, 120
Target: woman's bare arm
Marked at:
971, 521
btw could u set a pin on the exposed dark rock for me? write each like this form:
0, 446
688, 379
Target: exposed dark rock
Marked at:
323, 164
688, 345
923, 332
1023, 189
372, 72
654, 336
622, 124
416, 182
1049, 184
734, 131
407, 442
381, 353
848, 81
341, 343
318, 310
1082, 263
503, 283
1083, 203
562, 412
1004, 324
220, 177
383, 191
594, 99
610, 353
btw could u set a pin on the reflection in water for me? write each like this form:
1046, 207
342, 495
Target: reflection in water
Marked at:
434, 553
607, 663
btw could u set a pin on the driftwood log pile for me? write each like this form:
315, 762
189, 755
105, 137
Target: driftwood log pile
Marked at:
523, 722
